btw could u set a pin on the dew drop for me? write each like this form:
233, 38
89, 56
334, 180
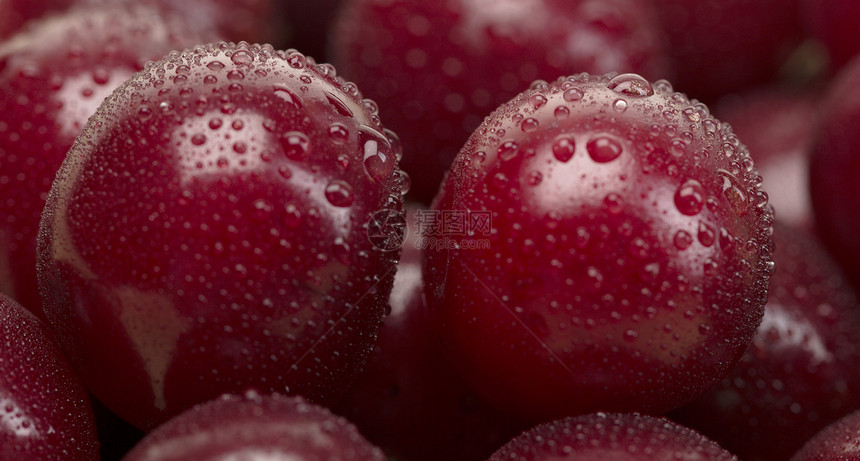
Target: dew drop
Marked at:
537, 100
734, 192
379, 160
603, 149
619, 105
630, 84
215, 65
563, 148
338, 133
683, 240
613, 203
198, 139
242, 57
215, 123
296, 60
572, 94
630, 335
284, 93
561, 112
296, 145
690, 197
528, 125
240, 147
534, 178
235, 75
403, 181
706, 234
339, 193
338, 105
262, 210
508, 150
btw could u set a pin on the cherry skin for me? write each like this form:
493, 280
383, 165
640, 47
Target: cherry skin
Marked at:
254, 426
602, 436
409, 400
15, 13
613, 252
801, 372
210, 232
45, 412
726, 46
840, 441
54, 75
438, 68
834, 168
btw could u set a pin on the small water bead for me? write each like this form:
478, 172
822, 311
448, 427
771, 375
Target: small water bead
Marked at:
572, 94
561, 112
619, 105
683, 240
215, 66
690, 197
528, 125
603, 149
242, 57
291, 98
240, 147
534, 178
734, 192
210, 79
706, 234
630, 84
338, 133
339, 193
215, 123
296, 60
563, 148
379, 160
296, 145
403, 181
613, 203
198, 139
235, 75
508, 150
537, 100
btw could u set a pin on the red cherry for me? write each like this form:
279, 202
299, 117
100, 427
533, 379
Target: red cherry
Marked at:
256, 427
836, 442
15, 13
614, 258
834, 169
207, 233
725, 46
45, 412
802, 370
601, 436
439, 67
834, 24
409, 400
54, 75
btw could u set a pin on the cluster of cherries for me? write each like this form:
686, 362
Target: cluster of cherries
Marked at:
496, 232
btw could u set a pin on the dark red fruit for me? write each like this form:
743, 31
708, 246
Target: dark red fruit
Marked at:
725, 46
255, 427
834, 24
54, 75
439, 67
15, 13
409, 400
801, 372
309, 25
834, 169
45, 413
210, 232
601, 436
778, 128
612, 253
837, 442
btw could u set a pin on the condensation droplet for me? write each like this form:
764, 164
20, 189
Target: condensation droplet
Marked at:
379, 160
619, 105
682, 240
561, 112
296, 145
284, 93
339, 193
734, 192
528, 125
215, 65
198, 139
630, 84
563, 148
534, 178
603, 149
508, 150
613, 203
338, 133
242, 57
572, 94
706, 234
690, 197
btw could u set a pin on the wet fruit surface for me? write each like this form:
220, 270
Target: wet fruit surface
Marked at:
253, 426
15, 13
438, 68
603, 245
835, 166
45, 413
603, 436
54, 76
838, 441
209, 233
802, 370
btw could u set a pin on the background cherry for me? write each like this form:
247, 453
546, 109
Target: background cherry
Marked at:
45, 413
838, 441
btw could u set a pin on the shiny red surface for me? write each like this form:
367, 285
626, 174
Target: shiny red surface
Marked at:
605, 436
209, 233
626, 264
15, 13
839, 441
54, 75
834, 25
801, 372
835, 166
255, 427
45, 413
439, 67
